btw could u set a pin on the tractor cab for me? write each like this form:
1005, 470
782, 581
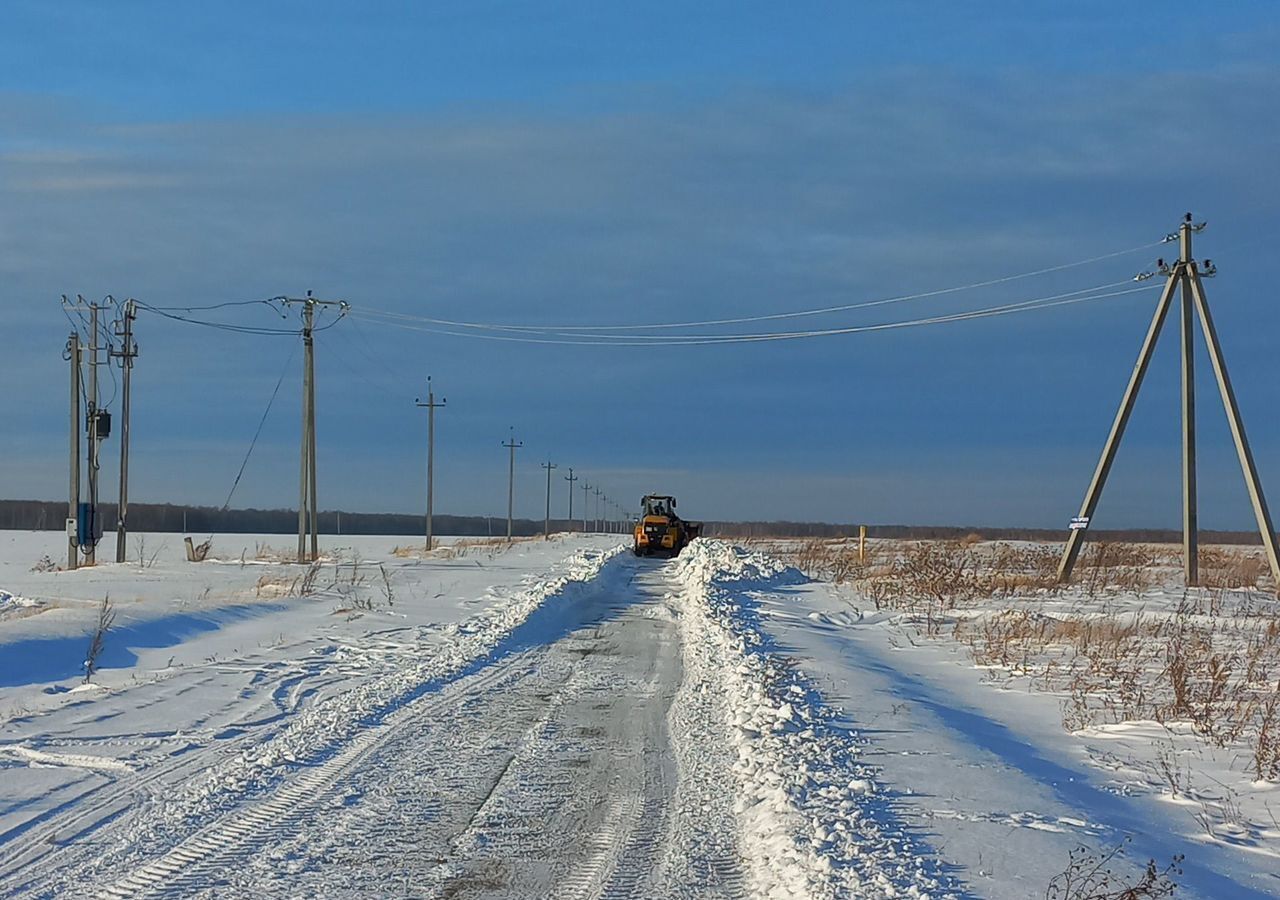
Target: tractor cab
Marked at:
655, 505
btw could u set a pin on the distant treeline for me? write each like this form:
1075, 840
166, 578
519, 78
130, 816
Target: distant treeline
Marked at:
43, 515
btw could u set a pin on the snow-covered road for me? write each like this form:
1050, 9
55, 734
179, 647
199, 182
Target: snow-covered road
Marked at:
542, 765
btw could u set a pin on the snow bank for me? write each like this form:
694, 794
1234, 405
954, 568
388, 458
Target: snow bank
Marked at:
813, 815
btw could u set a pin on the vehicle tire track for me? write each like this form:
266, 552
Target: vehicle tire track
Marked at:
246, 829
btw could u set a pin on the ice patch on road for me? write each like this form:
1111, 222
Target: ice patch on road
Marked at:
814, 815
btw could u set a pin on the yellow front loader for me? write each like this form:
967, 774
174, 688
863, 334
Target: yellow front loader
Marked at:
660, 532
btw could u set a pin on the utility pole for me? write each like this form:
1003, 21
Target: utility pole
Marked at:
307, 500
511, 443
91, 536
585, 488
431, 406
310, 379
596, 522
1190, 515
305, 470
1185, 274
73, 501
128, 350
571, 478
546, 522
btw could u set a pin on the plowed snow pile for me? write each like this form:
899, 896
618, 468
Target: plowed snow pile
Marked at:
814, 819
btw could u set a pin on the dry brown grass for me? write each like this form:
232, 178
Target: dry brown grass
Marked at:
1219, 674
1213, 661
1231, 567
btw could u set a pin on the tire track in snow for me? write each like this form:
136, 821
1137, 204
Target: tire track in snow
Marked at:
246, 830
210, 789
627, 855
55, 831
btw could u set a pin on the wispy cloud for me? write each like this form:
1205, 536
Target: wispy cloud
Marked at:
750, 201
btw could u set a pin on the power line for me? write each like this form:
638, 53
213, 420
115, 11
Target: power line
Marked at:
363, 346
232, 327
804, 312
377, 388
222, 326
261, 422
659, 340
600, 335
1051, 301
270, 301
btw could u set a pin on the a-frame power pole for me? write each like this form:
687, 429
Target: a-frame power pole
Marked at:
1184, 276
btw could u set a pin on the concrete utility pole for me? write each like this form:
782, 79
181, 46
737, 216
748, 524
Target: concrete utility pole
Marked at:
73, 501
511, 443
596, 522
571, 478
308, 515
585, 488
91, 538
546, 522
431, 406
1185, 275
306, 471
1190, 515
128, 350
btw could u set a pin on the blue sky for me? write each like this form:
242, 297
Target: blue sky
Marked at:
612, 164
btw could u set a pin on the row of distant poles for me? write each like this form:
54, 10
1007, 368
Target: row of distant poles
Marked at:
84, 523
608, 515
1182, 276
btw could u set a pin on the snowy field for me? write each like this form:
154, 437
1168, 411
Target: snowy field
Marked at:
560, 719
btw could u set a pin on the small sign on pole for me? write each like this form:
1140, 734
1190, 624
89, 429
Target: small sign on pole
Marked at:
1079, 523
